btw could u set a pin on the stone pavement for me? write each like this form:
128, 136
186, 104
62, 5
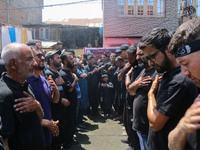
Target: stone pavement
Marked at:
101, 134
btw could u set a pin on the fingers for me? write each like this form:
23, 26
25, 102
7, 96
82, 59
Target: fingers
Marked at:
26, 94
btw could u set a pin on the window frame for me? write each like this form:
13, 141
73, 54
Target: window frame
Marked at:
125, 7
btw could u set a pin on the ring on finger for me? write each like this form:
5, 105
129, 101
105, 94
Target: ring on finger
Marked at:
143, 83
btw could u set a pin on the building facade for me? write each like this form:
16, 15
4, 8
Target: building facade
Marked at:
17, 12
132, 19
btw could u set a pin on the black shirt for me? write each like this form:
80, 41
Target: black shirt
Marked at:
23, 131
56, 107
93, 79
69, 79
175, 95
140, 120
111, 72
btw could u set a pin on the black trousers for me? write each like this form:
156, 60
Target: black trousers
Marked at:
68, 125
132, 135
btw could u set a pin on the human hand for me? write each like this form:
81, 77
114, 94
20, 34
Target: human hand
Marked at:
106, 85
75, 77
53, 84
130, 71
191, 120
59, 81
127, 65
155, 84
53, 127
26, 104
65, 102
83, 75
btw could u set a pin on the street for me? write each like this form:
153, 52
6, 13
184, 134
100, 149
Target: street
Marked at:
101, 134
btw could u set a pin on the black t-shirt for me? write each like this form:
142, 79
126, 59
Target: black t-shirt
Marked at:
23, 131
175, 95
111, 72
69, 79
56, 107
93, 79
140, 119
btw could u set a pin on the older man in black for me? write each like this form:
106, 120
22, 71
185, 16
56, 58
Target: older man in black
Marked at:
20, 112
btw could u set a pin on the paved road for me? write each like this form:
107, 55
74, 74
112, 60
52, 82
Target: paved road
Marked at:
101, 134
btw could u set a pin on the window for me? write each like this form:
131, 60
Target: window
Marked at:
195, 3
130, 7
141, 8
44, 33
121, 7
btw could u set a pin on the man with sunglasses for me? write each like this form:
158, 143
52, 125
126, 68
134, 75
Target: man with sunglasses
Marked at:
45, 92
170, 95
185, 45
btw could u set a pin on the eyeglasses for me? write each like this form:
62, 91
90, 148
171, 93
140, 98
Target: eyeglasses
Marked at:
39, 55
151, 57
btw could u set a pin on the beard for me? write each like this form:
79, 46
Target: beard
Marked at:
142, 64
165, 65
56, 64
70, 65
39, 66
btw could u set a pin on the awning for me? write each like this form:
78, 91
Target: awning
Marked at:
48, 44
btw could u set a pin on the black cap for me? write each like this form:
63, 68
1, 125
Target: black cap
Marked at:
90, 56
51, 53
122, 47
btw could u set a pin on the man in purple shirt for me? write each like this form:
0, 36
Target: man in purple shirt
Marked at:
45, 92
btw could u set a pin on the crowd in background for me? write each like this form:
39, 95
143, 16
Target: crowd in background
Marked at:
44, 96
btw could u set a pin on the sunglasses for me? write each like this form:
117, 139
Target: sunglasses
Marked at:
152, 57
39, 55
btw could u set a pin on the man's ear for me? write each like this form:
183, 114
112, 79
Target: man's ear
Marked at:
13, 64
167, 50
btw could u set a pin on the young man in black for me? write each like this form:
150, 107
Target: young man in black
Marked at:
54, 63
169, 96
93, 73
70, 81
21, 114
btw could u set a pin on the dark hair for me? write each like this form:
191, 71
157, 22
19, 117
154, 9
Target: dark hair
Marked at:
185, 34
119, 58
157, 37
104, 54
63, 56
32, 42
132, 49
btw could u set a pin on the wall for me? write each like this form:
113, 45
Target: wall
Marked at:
20, 16
115, 26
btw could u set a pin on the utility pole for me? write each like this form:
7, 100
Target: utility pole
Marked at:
8, 17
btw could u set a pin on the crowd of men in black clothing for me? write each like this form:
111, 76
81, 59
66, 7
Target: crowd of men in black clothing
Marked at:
44, 96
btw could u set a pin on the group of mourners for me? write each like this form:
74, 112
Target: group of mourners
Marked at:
151, 87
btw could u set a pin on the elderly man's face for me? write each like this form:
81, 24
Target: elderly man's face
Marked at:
190, 65
26, 63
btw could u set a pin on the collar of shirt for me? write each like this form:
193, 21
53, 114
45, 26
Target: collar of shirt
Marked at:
13, 83
173, 71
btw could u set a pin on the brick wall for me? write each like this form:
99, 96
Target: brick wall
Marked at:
20, 16
116, 26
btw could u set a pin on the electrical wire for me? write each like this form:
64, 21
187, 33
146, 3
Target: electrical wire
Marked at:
53, 5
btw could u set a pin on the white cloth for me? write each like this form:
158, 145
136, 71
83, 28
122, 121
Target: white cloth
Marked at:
29, 34
18, 33
5, 36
